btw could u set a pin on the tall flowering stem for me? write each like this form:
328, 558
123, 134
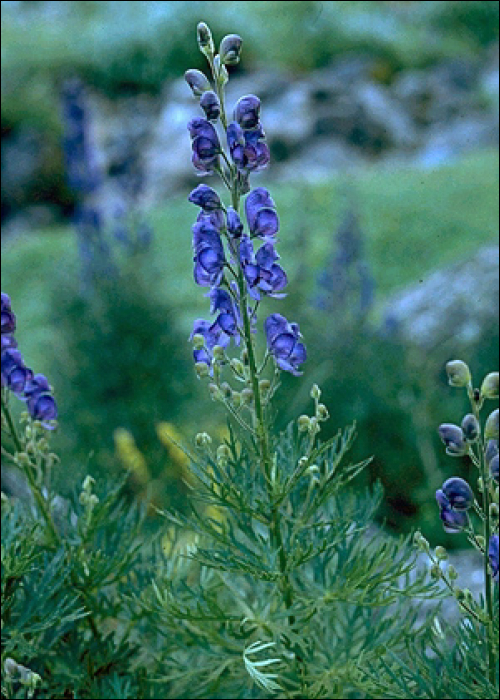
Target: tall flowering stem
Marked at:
247, 276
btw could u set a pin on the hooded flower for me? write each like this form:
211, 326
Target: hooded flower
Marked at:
228, 320
283, 343
493, 556
39, 401
459, 493
247, 147
15, 374
205, 144
247, 112
209, 255
261, 272
261, 214
453, 520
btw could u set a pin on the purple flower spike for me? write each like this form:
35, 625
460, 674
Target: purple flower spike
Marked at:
493, 556
205, 145
260, 211
459, 493
283, 343
247, 111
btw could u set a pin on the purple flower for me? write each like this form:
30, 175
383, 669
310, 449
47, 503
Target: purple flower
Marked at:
247, 112
247, 148
453, 520
205, 145
261, 214
234, 225
228, 320
14, 372
283, 343
39, 400
209, 102
8, 323
209, 255
206, 198
261, 272
493, 556
459, 493
454, 439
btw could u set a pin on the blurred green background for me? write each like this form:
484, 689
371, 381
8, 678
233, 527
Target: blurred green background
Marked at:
391, 224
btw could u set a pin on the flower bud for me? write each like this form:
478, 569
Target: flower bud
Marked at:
494, 511
454, 439
223, 452
88, 482
491, 429
436, 572
458, 373
489, 387
22, 459
264, 385
441, 553
198, 341
491, 450
247, 396
218, 352
458, 593
202, 440
322, 413
201, 369
480, 484
247, 111
236, 399
494, 467
197, 81
237, 367
304, 423
230, 49
470, 427
210, 104
315, 392
215, 392
205, 40
10, 667
452, 573
459, 493
480, 541
226, 390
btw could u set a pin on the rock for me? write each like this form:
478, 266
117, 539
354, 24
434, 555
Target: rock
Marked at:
455, 303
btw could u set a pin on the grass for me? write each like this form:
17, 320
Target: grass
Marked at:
414, 221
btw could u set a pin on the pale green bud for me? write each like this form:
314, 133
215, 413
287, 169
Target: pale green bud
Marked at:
452, 573
436, 572
302, 462
202, 440
315, 392
205, 40
489, 387
314, 425
313, 469
10, 667
494, 511
441, 553
303, 423
458, 593
226, 390
491, 429
480, 541
218, 352
84, 498
198, 341
215, 392
247, 396
480, 484
322, 412
22, 459
458, 373
236, 399
223, 452
237, 366
201, 369
93, 500
264, 385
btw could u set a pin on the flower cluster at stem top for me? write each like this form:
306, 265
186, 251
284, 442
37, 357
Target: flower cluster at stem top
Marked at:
237, 262
456, 498
31, 388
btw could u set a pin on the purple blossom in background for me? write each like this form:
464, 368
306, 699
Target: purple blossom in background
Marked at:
283, 343
205, 145
493, 556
